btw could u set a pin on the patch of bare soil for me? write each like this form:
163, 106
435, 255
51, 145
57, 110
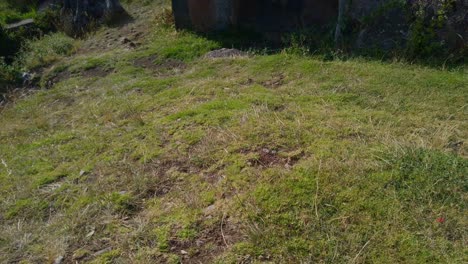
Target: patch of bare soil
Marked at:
162, 67
129, 35
455, 145
161, 170
269, 158
64, 75
212, 178
275, 81
57, 77
96, 72
145, 62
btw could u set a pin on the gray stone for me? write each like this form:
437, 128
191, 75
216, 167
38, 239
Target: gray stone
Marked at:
78, 15
22, 23
59, 260
225, 53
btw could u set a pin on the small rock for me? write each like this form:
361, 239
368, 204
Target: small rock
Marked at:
27, 78
225, 53
90, 234
455, 145
59, 260
102, 251
209, 210
125, 40
183, 252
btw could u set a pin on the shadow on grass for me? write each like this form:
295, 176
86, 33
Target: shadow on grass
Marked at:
320, 44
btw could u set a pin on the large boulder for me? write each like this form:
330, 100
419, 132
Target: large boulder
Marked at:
77, 16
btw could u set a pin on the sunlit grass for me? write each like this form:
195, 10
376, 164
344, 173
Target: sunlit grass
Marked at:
268, 158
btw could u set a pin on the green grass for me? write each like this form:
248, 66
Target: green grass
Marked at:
364, 163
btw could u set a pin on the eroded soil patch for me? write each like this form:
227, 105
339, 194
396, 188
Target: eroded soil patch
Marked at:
275, 81
57, 77
266, 157
167, 66
96, 72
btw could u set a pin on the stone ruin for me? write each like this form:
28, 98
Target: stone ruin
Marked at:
78, 15
260, 15
382, 23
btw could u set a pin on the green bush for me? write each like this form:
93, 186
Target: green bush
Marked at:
8, 75
422, 42
9, 44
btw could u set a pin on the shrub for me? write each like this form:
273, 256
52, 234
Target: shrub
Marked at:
9, 44
8, 75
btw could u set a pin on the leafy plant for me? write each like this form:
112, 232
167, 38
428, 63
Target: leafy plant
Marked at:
8, 75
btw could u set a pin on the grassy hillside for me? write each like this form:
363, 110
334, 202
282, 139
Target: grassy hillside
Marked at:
151, 153
12, 11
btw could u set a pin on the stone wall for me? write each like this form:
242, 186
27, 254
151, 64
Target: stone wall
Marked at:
259, 15
384, 24
78, 15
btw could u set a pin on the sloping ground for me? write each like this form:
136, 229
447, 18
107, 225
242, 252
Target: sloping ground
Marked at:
145, 151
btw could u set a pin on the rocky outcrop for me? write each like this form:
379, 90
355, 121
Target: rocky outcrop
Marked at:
446, 19
77, 16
